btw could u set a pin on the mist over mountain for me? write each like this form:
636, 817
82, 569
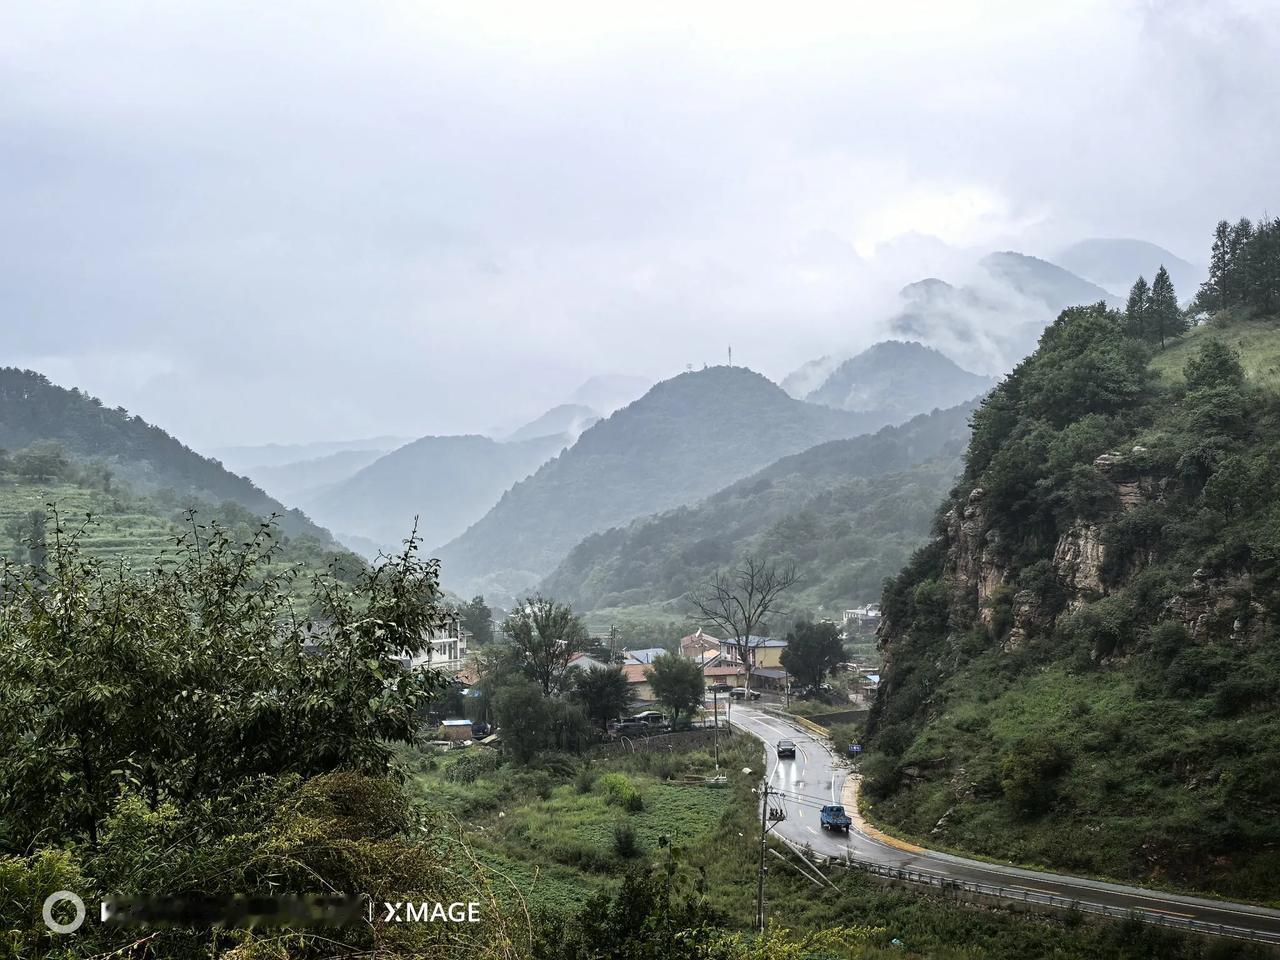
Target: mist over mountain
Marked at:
605, 393
246, 458
568, 419
301, 480
995, 317
902, 378
806, 378
446, 482
684, 439
1115, 263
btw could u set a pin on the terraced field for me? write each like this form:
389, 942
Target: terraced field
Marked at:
125, 528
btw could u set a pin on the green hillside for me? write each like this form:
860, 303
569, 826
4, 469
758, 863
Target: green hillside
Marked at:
1082, 669
33, 409
846, 512
1253, 340
686, 438
116, 525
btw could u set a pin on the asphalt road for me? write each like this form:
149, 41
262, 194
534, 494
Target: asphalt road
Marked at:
815, 777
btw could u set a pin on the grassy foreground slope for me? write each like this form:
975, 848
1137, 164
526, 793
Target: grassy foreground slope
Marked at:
1083, 668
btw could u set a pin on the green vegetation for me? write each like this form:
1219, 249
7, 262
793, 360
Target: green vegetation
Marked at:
1088, 649
149, 460
186, 731
117, 525
846, 513
686, 438
813, 651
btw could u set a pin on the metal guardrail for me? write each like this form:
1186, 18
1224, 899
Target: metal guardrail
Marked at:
1016, 895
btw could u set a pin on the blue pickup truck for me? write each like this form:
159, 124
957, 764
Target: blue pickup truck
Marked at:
833, 817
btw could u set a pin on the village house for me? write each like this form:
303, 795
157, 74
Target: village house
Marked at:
637, 675
645, 656
761, 651
443, 649
584, 661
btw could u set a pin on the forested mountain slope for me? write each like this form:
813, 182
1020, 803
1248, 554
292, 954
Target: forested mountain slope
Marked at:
149, 459
1083, 668
846, 512
685, 438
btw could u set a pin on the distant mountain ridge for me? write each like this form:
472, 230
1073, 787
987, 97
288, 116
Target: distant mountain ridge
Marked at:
1116, 262
994, 320
567, 419
847, 512
903, 378
145, 456
685, 438
446, 482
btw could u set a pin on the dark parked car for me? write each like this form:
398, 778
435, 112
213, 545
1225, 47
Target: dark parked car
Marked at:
631, 727
720, 688
786, 749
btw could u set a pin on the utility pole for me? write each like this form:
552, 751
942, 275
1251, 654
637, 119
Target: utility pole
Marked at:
764, 811
769, 818
715, 736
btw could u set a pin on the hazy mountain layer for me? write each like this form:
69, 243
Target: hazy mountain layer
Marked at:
684, 439
901, 378
847, 512
446, 482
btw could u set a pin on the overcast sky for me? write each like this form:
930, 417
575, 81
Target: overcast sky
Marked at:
280, 222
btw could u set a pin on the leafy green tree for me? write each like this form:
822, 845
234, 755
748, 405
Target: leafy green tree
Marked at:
813, 650
477, 619
1137, 309
1165, 317
544, 636
42, 460
677, 684
603, 692
197, 676
526, 717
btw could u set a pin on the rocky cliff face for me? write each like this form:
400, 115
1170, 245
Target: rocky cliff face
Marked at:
977, 576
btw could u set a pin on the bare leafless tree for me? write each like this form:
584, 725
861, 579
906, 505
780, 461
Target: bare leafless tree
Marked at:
738, 601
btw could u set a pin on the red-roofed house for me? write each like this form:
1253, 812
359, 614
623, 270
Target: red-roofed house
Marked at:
698, 643
638, 680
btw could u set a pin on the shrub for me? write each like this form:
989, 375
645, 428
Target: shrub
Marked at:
585, 779
470, 765
625, 843
1027, 774
621, 792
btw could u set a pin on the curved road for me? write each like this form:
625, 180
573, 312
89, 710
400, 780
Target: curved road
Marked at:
815, 777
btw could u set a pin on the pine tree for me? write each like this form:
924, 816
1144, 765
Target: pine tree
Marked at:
1164, 318
1237, 261
1137, 309
1215, 289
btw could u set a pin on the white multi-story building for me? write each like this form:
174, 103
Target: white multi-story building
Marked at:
444, 649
